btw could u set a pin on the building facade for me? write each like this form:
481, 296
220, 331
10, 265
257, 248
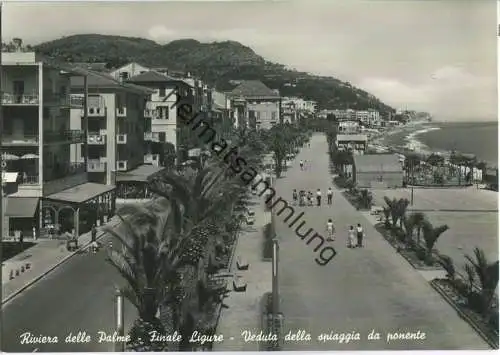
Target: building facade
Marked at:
127, 71
356, 143
115, 115
263, 104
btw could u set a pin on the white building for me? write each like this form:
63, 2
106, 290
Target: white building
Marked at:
127, 71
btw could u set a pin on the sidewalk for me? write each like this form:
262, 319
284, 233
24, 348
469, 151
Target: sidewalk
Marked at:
244, 307
42, 258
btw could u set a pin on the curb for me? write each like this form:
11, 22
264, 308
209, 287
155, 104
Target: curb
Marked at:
52, 268
463, 315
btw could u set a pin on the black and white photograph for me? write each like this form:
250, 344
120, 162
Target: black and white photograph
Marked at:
294, 175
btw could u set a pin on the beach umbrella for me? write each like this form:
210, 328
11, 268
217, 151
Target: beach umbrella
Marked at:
29, 156
7, 156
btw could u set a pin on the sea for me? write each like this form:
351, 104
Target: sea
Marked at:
477, 138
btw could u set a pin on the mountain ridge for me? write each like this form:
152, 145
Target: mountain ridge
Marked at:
214, 62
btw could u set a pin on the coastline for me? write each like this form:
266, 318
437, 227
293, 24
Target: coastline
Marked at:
408, 139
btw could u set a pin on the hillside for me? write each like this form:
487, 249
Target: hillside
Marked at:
216, 63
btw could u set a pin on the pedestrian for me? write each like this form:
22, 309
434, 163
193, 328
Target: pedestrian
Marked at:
318, 197
329, 195
301, 163
295, 196
93, 233
359, 234
21, 240
310, 198
34, 233
351, 237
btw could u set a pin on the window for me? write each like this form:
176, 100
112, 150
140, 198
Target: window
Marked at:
273, 116
162, 92
162, 137
124, 75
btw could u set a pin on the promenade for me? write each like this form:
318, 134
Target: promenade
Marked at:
360, 290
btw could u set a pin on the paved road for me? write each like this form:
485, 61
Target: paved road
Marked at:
360, 289
78, 296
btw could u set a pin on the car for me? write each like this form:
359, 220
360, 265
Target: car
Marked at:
250, 217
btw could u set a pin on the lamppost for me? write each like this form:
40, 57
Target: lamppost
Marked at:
119, 345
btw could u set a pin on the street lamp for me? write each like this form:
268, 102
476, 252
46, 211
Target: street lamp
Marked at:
119, 345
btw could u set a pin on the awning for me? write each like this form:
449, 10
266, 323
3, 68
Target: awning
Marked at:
140, 174
81, 193
21, 207
9, 177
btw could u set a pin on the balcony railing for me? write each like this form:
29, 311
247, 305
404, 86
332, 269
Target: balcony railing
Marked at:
96, 138
95, 111
20, 140
71, 136
71, 100
96, 166
152, 136
28, 180
16, 99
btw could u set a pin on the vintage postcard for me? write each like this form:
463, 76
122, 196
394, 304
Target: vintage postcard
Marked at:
249, 176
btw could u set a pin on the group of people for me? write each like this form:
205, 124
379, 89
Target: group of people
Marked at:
305, 198
354, 235
303, 164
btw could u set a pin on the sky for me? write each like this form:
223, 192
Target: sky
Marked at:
437, 56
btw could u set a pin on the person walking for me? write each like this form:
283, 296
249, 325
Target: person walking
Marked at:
310, 198
301, 163
93, 233
351, 237
318, 197
359, 235
34, 233
329, 195
295, 196
331, 230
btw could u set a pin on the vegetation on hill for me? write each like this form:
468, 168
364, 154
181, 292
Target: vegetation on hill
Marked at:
217, 63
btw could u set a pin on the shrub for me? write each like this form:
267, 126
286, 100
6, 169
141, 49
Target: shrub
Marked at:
420, 253
399, 234
447, 264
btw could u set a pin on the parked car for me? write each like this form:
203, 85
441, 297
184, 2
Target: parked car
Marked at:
250, 218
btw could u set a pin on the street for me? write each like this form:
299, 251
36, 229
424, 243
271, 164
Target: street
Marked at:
77, 296
370, 289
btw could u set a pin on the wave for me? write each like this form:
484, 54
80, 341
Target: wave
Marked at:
411, 142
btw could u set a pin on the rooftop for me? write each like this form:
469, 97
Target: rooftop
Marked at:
105, 81
253, 88
151, 76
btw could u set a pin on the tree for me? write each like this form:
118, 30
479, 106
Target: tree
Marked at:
398, 209
435, 159
431, 235
487, 273
417, 220
149, 261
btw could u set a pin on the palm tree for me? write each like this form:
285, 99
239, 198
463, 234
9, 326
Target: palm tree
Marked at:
447, 264
431, 235
487, 273
409, 228
149, 261
397, 208
418, 219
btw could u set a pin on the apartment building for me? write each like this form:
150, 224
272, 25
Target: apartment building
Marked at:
115, 121
161, 115
48, 187
263, 104
222, 112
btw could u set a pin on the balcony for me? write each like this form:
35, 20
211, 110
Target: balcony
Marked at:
20, 140
72, 101
63, 136
95, 111
96, 166
121, 138
121, 112
18, 100
98, 138
153, 159
122, 165
152, 136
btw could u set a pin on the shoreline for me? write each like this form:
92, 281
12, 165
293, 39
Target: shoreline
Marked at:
412, 144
